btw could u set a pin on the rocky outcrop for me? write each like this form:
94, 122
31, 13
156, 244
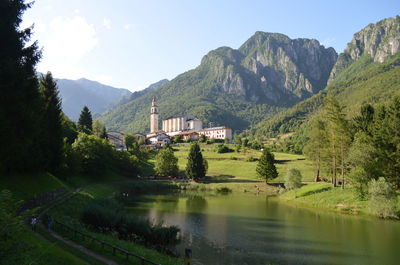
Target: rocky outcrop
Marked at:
271, 67
379, 41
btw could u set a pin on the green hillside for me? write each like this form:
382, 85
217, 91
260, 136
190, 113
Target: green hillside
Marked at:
237, 88
361, 82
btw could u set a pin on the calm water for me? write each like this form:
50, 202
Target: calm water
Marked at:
250, 229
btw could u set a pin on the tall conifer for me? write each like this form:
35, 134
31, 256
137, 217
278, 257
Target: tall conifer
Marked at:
196, 167
20, 106
52, 117
85, 121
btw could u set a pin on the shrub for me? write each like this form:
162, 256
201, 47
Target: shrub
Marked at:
382, 199
166, 163
223, 190
251, 159
222, 148
233, 158
106, 215
293, 179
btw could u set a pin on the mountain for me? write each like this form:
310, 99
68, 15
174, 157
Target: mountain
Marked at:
140, 93
97, 97
236, 87
368, 71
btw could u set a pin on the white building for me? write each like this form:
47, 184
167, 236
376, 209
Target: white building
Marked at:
217, 133
181, 123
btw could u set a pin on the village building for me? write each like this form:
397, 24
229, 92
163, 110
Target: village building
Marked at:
186, 127
220, 133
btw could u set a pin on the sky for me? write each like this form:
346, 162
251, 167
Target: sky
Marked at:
132, 44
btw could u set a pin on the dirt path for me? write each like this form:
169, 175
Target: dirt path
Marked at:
84, 250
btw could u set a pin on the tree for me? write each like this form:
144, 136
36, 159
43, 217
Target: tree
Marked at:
52, 122
195, 167
364, 121
85, 121
382, 199
339, 137
20, 103
266, 168
166, 163
293, 179
316, 147
99, 129
129, 141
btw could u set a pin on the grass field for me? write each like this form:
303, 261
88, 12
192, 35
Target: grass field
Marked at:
325, 196
223, 167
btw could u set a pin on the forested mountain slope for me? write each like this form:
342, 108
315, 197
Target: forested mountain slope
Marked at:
237, 88
367, 71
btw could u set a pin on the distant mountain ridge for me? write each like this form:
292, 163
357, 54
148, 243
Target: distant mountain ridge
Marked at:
76, 94
237, 88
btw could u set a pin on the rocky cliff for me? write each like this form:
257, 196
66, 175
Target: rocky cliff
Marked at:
379, 41
272, 68
236, 87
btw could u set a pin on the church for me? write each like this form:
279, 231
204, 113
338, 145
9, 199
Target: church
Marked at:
186, 126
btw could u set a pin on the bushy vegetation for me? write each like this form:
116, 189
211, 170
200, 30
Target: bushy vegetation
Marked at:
106, 215
223, 189
166, 163
222, 148
92, 155
293, 179
382, 199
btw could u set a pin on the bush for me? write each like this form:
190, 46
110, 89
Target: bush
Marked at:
106, 215
96, 156
233, 158
251, 159
223, 190
293, 179
221, 148
166, 163
382, 199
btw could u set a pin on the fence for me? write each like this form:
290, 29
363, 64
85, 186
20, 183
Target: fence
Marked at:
39, 200
114, 248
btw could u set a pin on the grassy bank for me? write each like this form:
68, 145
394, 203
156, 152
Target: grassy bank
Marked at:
325, 196
235, 166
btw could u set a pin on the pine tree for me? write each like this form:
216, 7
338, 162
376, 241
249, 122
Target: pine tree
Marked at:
316, 146
85, 121
52, 118
20, 106
196, 166
266, 166
339, 137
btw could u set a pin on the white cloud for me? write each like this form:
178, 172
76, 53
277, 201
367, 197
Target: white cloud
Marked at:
327, 42
107, 23
128, 26
66, 42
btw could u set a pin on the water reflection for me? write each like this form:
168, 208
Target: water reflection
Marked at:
248, 229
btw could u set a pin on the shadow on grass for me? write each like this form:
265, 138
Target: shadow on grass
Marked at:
227, 179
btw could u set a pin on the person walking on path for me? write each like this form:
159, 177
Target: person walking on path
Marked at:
33, 223
49, 223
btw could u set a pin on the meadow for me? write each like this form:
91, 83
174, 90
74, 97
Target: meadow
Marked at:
235, 167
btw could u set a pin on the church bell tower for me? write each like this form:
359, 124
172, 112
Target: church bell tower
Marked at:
154, 116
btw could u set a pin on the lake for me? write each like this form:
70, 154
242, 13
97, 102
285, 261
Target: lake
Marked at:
255, 229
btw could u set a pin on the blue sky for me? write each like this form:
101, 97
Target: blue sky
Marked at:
131, 44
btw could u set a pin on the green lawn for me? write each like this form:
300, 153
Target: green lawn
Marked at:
38, 251
25, 187
235, 170
324, 195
